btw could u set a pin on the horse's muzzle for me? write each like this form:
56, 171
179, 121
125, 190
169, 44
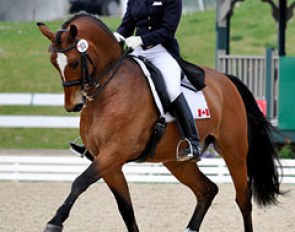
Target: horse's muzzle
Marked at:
77, 108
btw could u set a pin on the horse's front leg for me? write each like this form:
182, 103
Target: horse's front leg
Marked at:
89, 176
117, 183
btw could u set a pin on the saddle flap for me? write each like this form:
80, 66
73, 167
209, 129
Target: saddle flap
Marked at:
159, 83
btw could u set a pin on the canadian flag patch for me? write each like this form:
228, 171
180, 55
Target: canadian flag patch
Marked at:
203, 113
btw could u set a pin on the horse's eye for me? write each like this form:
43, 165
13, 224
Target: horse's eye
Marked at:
74, 65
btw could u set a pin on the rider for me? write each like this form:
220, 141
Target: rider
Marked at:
154, 23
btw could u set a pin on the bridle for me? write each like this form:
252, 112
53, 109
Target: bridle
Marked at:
87, 81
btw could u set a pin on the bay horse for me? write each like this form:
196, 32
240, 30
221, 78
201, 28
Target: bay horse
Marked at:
118, 116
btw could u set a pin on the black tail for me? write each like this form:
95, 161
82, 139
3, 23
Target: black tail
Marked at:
262, 155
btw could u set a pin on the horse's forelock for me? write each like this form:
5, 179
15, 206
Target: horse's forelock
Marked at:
58, 37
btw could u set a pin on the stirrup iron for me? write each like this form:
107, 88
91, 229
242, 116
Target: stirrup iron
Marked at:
189, 155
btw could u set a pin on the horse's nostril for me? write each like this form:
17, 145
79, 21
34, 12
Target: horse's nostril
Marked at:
78, 107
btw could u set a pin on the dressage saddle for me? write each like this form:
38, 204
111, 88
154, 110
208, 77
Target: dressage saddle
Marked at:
194, 74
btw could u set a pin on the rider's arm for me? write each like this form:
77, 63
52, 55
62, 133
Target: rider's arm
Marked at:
127, 26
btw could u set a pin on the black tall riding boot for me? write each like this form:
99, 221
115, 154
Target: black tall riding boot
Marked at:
80, 150
188, 130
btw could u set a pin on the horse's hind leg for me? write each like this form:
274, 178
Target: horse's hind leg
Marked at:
205, 190
119, 187
236, 161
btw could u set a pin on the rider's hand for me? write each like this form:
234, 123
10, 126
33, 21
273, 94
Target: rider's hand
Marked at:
119, 37
133, 41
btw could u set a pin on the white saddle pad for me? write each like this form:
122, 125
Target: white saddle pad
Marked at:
196, 100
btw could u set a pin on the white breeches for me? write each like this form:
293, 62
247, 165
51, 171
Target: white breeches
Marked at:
168, 66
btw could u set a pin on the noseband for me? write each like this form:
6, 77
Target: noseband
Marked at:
87, 81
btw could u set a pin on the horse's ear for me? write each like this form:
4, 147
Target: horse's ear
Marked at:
46, 31
73, 31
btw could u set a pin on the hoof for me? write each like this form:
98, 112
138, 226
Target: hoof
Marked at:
53, 228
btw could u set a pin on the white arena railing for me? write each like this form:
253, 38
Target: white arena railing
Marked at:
31, 99
38, 121
67, 168
35, 121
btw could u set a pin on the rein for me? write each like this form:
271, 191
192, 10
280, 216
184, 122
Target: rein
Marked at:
112, 68
86, 81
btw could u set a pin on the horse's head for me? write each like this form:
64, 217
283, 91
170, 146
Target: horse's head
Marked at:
77, 53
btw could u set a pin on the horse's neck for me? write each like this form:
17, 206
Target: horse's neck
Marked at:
127, 88
107, 49
107, 55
